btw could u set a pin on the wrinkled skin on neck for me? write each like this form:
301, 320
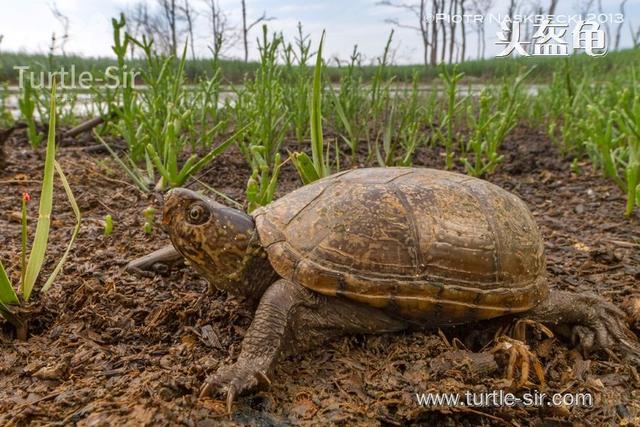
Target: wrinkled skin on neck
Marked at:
221, 243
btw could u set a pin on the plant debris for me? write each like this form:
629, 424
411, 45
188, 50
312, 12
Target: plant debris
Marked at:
111, 348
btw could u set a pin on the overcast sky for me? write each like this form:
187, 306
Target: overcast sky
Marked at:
27, 25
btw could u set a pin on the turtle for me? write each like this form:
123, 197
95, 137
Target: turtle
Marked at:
375, 250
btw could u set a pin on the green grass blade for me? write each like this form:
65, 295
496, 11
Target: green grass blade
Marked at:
195, 167
343, 117
186, 167
135, 177
76, 211
158, 162
317, 143
273, 183
305, 168
220, 194
40, 241
23, 239
7, 294
178, 81
150, 171
170, 159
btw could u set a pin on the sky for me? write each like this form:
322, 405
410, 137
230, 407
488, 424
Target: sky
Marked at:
27, 25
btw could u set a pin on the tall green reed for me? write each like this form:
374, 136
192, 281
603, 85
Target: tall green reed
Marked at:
31, 267
317, 167
261, 110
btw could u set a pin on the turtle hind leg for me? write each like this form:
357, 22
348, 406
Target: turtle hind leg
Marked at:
289, 319
591, 322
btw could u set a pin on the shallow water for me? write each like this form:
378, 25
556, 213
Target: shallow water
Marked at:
84, 105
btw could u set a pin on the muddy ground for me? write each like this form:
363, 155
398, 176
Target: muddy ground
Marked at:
109, 348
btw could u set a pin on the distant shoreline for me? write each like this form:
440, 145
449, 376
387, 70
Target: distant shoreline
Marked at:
235, 71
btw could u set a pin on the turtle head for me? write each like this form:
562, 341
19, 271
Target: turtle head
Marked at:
215, 239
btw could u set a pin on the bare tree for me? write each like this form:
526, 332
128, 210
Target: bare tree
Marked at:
420, 12
619, 29
189, 16
138, 23
482, 8
443, 31
439, 42
463, 29
166, 24
453, 10
585, 7
535, 9
635, 35
552, 7
246, 28
434, 34
607, 28
64, 21
511, 10
169, 18
222, 34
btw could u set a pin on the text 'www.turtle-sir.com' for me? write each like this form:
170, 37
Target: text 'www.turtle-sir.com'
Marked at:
502, 398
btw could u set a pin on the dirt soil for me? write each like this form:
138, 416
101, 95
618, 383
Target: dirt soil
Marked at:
109, 348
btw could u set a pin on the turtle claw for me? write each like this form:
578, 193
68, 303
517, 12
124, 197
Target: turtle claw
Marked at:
205, 390
231, 397
235, 380
605, 329
592, 323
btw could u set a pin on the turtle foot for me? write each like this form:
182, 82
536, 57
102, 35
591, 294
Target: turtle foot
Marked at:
235, 380
605, 329
591, 322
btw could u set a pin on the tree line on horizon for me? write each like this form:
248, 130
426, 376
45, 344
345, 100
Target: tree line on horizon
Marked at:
172, 23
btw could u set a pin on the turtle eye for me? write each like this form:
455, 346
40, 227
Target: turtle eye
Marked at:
198, 214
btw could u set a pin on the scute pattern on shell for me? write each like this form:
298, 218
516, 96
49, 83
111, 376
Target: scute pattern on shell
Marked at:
422, 243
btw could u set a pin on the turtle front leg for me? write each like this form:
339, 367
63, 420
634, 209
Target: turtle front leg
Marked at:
271, 328
591, 322
291, 318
